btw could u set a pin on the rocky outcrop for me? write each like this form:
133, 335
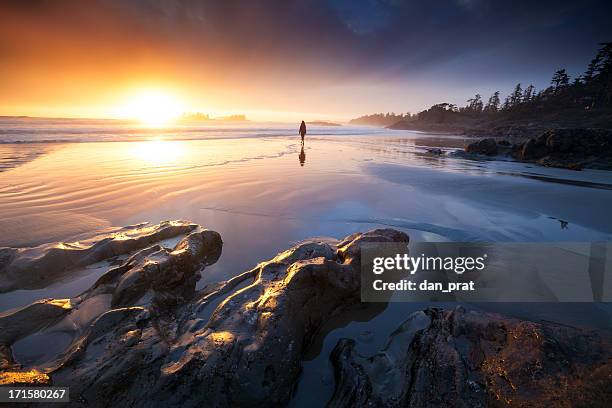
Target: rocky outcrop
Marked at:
38, 267
456, 358
157, 344
487, 147
569, 148
143, 335
566, 148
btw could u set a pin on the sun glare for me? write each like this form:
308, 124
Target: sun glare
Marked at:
153, 108
158, 152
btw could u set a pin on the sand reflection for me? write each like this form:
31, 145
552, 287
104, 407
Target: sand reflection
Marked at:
156, 152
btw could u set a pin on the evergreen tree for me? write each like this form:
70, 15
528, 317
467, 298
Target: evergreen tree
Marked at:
507, 103
516, 96
493, 103
529, 93
475, 104
604, 76
593, 68
560, 79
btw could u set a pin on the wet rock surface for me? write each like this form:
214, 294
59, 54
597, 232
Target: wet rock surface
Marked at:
565, 148
38, 267
143, 335
456, 358
155, 344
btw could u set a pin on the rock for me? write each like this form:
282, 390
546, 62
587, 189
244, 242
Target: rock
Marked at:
146, 352
566, 148
532, 149
160, 342
35, 268
459, 358
435, 152
165, 272
487, 147
31, 318
569, 148
24, 378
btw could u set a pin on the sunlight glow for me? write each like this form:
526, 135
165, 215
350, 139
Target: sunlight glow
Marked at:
158, 151
153, 108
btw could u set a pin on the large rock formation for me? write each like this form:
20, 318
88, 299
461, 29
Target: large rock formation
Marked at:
456, 358
143, 335
566, 148
569, 148
158, 343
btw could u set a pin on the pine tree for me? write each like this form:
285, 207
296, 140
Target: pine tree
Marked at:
593, 68
516, 96
474, 104
507, 103
528, 94
493, 103
560, 79
604, 76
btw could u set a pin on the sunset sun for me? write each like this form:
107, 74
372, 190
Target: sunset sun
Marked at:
153, 108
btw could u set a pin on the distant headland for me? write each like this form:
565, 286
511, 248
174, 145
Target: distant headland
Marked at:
323, 123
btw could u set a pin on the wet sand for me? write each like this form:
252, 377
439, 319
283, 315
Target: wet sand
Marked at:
258, 196
262, 194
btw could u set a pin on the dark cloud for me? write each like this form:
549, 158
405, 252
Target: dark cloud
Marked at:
403, 32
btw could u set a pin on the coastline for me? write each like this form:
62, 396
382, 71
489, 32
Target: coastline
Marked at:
253, 187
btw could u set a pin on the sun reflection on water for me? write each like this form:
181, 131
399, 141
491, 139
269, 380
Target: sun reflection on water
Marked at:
158, 152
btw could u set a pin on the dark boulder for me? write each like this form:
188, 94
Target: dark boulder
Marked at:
487, 147
569, 148
533, 149
456, 358
435, 151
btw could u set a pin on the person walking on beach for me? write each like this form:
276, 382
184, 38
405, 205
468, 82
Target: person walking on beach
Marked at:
303, 130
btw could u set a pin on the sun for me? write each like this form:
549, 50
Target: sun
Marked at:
153, 108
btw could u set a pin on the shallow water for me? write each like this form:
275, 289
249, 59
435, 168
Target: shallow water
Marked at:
262, 193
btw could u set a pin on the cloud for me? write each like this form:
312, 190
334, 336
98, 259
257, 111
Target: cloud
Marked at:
315, 43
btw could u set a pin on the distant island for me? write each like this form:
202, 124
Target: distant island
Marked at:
581, 102
204, 117
323, 123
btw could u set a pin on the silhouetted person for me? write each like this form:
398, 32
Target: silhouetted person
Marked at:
303, 130
302, 156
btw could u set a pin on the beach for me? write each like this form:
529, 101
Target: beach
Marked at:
263, 193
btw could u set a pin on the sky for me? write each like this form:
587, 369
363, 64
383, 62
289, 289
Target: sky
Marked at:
284, 60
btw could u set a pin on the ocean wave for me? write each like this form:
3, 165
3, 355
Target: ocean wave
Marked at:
13, 131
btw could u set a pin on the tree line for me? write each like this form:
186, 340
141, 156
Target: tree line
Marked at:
381, 119
589, 91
